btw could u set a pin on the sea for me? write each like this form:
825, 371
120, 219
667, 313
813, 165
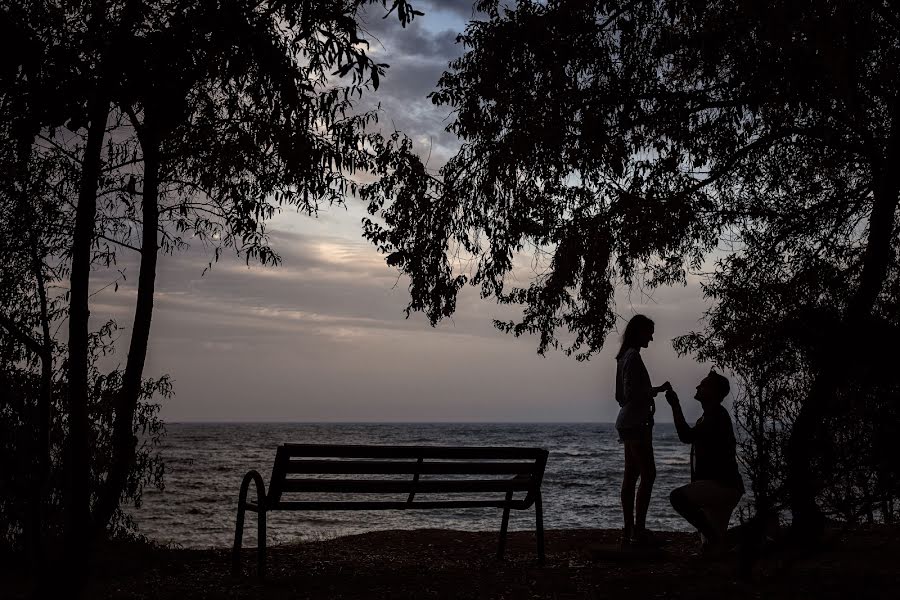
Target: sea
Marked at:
205, 462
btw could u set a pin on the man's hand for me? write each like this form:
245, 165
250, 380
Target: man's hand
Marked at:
671, 397
662, 388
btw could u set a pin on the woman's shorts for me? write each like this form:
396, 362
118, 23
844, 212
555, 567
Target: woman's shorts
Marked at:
636, 434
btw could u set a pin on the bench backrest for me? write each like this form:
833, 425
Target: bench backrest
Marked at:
410, 470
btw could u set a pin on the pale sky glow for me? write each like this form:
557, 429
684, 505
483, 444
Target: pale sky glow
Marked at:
323, 337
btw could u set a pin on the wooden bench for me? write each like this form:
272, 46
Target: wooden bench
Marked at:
312, 477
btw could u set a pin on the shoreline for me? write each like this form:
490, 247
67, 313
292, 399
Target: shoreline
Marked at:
446, 563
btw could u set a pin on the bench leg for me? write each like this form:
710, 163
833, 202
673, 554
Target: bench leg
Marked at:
238, 538
261, 544
504, 525
539, 527
255, 478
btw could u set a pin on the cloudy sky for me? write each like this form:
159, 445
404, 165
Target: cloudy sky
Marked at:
323, 337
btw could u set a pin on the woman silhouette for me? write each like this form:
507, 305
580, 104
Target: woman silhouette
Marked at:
634, 393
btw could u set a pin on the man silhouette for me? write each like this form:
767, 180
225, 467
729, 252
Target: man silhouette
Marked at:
716, 486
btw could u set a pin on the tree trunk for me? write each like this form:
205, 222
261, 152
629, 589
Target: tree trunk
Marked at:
124, 441
26, 128
78, 468
804, 445
42, 478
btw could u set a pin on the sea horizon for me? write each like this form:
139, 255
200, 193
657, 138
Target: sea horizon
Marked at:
410, 422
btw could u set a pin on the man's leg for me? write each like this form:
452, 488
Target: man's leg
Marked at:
707, 505
723, 501
685, 504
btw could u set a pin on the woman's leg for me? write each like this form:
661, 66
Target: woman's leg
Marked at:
629, 482
647, 466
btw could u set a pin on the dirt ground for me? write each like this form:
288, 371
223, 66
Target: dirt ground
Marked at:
858, 563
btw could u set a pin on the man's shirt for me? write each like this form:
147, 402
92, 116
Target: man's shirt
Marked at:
713, 448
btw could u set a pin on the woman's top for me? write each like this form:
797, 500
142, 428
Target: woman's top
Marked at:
633, 391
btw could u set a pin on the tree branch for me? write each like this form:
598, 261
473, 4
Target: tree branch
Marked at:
20, 335
882, 11
123, 244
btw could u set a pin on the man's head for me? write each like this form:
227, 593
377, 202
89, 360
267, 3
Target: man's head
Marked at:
712, 389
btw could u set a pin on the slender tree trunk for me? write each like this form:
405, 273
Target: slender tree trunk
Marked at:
42, 478
805, 443
25, 130
78, 468
124, 441
803, 448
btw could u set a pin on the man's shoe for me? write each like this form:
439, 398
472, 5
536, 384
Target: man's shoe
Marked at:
714, 550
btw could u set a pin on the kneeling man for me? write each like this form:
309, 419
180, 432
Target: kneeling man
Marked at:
716, 486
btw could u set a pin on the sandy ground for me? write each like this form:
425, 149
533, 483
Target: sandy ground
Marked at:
858, 563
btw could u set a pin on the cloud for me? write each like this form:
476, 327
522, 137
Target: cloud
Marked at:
464, 9
418, 55
416, 43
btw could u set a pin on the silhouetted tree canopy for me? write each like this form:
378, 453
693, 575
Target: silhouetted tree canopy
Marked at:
623, 138
634, 141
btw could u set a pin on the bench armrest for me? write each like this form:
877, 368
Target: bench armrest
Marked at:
255, 477
534, 494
